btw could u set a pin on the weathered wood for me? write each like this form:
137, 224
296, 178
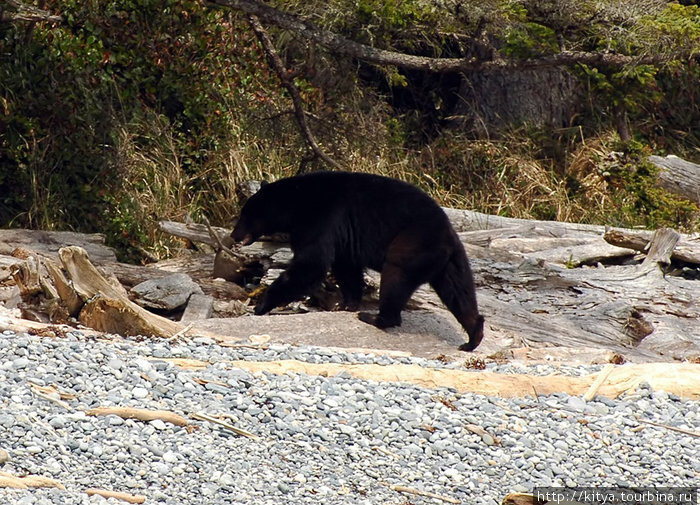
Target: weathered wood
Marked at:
632, 310
569, 251
535, 286
108, 308
678, 176
198, 267
27, 277
123, 317
468, 220
20, 325
193, 231
682, 379
7, 264
199, 307
64, 289
49, 242
227, 267
526, 291
661, 247
687, 249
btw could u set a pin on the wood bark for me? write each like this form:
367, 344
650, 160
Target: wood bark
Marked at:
24, 12
107, 307
686, 250
566, 284
288, 83
198, 307
496, 97
337, 43
541, 285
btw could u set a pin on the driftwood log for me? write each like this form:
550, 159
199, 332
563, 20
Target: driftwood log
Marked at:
48, 243
566, 284
678, 176
540, 285
686, 250
89, 296
679, 378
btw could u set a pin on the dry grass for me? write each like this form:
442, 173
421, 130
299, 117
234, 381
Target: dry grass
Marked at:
155, 185
507, 177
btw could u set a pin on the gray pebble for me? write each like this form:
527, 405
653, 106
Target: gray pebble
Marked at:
321, 439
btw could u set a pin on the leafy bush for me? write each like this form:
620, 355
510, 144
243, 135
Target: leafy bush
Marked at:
132, 111
74, 93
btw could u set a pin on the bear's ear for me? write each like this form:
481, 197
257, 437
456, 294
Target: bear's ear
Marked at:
263, 183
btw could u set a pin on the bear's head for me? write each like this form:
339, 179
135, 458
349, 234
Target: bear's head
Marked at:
261, 215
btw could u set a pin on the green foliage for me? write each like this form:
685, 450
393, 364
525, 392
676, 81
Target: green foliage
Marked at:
529, 40
382, 22
131, 111
676, 28
631, 87
392, 14
70, 91
636, 196
53, 130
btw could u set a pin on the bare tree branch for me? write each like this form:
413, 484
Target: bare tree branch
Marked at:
288, 83
25, 12
369, 54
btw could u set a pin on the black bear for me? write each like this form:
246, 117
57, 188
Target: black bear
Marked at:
346, 222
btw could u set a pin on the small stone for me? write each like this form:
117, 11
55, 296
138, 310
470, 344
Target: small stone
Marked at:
139, 392
347, 430
170, 457
143, 364
452, 473
115, 364
159, 424
58, 422
115, 420
20, 363
576, 402
161, 468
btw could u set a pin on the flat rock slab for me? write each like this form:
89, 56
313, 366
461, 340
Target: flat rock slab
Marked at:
426, 334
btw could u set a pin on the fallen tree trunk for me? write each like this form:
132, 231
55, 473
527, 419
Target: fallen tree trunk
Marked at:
687, 250
678, 176
48, 243
98, 303
535, 282
540, 284
682, 379
107, 307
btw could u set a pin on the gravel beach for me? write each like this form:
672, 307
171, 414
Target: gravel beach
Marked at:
331, 440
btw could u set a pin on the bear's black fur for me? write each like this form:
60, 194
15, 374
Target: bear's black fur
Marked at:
346, 222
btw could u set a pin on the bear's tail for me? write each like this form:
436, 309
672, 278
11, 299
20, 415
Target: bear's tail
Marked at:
455, 287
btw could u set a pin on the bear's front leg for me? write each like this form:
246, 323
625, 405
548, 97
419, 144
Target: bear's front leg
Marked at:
351, 281
299, 280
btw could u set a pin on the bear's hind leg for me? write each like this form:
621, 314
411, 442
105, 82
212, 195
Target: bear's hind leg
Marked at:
395, 291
